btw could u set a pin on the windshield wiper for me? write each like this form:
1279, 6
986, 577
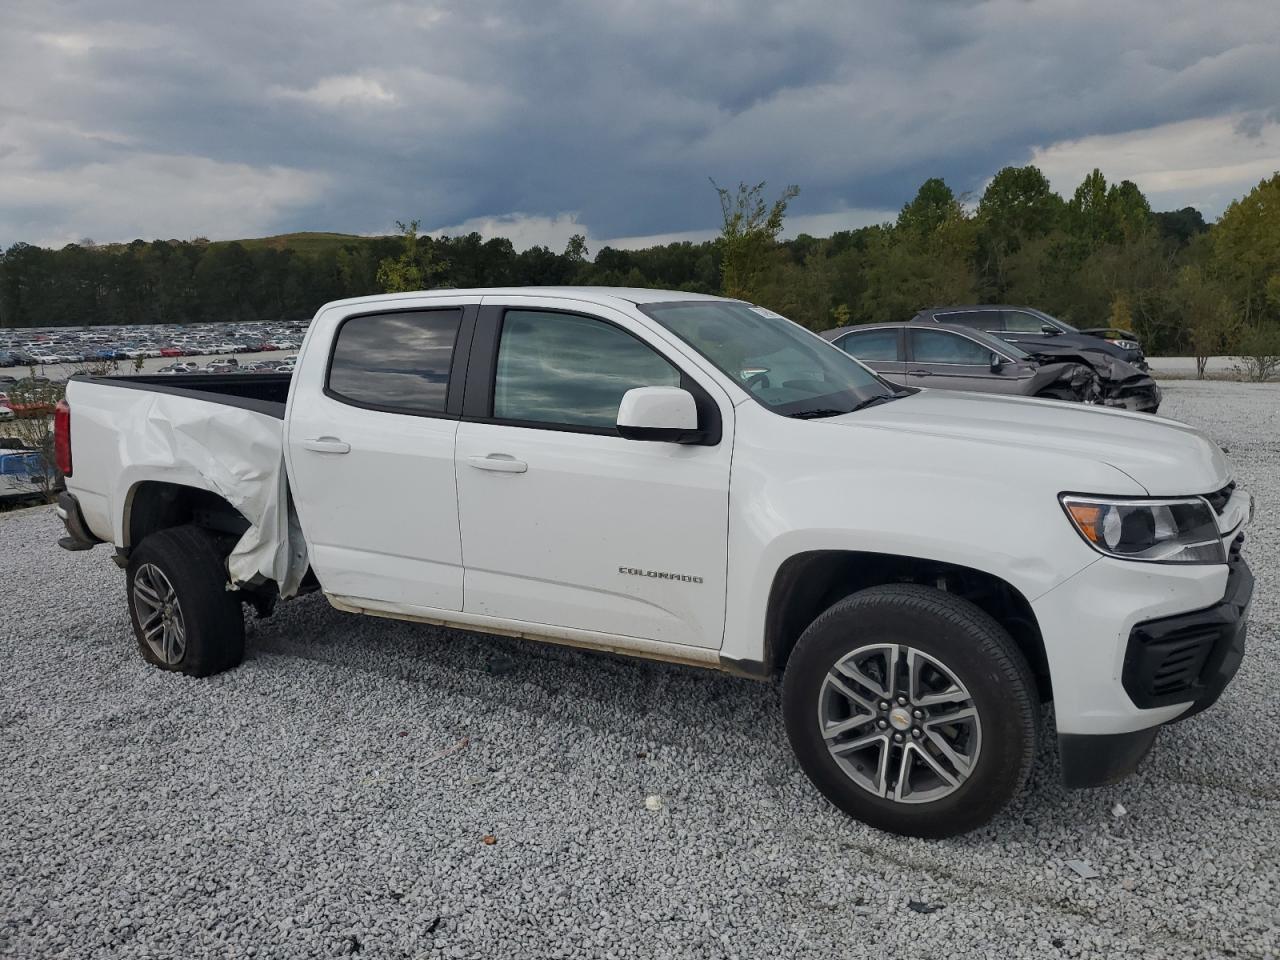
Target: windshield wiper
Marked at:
814, 414
882, 398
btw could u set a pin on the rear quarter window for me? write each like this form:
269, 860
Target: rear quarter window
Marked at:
397, 362
873, 345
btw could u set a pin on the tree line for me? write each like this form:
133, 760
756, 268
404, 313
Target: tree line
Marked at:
1101, 257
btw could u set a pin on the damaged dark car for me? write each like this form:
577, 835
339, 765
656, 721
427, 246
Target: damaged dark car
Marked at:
955, 358
1121, 367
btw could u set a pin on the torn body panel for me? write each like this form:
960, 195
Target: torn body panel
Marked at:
189, 440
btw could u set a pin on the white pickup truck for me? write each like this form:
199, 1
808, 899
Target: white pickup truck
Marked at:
698, 480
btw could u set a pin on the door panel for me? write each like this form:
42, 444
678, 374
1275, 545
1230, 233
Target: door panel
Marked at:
374, 485
949, 361
586, 529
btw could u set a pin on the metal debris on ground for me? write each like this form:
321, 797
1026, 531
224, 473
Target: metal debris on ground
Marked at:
1082, 869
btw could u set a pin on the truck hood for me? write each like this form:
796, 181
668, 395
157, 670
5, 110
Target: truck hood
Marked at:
1165, 457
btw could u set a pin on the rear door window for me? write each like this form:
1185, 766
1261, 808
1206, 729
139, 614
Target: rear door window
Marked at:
398, 362
1019, 322
871, 345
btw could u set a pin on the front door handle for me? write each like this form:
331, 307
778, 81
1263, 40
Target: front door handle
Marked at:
920, 373
327, 445
500, 462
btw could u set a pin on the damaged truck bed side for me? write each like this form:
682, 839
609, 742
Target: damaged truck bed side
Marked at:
697, 480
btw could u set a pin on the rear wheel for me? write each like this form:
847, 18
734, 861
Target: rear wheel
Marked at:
183, 616
912, 710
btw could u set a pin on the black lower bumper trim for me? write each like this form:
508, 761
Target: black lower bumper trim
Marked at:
1096, 760
1190, 657
1186, 658
79, 537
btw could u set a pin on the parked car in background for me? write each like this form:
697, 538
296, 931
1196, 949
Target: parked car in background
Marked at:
23, 476
956, 358
1028, 325
1123, 383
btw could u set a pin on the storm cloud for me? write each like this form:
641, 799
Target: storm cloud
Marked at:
134, 118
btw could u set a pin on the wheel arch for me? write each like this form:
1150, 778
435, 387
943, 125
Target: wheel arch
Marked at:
808, 583
154, 505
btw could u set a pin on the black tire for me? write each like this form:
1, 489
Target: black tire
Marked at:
190, 559
981, 656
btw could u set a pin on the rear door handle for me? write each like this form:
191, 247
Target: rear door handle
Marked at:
327, 445
500, 462
919, 373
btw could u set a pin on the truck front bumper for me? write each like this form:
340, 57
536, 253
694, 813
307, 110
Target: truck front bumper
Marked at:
1183, 662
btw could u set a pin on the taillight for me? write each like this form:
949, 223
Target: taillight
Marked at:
62, 437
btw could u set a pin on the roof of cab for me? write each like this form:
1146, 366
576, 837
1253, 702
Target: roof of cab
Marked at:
601, 295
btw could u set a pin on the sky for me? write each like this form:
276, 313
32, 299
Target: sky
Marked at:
539, 119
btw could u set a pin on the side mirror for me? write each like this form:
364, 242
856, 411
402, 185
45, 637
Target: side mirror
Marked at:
997, 362
659, 413
1049, 330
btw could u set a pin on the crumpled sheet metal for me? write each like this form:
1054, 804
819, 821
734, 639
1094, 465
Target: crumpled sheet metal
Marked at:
238, 454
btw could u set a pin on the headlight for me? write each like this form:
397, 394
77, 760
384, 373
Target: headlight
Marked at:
1125, 344
1158, 531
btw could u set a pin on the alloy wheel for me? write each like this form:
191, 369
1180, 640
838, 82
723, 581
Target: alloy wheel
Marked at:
159, 615
899, 723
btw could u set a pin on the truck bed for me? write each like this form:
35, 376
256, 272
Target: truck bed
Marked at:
222, 433
259, 392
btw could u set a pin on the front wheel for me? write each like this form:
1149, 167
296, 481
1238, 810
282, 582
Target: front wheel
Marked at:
912, 710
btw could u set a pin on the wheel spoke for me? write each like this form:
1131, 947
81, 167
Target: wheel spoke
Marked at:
891, 670
961, 763
951, 716
927, 757
866, 703
858, 743
856, 674
907, 767
904, 772
834, 729
143, 588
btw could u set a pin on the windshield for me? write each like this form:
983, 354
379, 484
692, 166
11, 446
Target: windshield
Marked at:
780, 363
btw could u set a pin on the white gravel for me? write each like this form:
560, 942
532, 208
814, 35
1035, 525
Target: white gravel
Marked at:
334, 796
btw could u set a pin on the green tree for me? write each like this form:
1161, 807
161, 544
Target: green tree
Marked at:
748, 235
1211, 326
1246, 252
932, 206
1017, 206
415, 268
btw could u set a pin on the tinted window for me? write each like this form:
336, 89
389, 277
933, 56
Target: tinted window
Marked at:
396, 360
977, 319
569, 370
871, 345
1020, 322
938, 346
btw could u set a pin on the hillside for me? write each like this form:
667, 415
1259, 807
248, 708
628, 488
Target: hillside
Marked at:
305, 242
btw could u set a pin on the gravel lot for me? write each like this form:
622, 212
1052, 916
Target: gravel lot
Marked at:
334, 794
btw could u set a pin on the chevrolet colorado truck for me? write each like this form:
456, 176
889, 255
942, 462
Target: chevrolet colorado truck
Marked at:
697, 480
